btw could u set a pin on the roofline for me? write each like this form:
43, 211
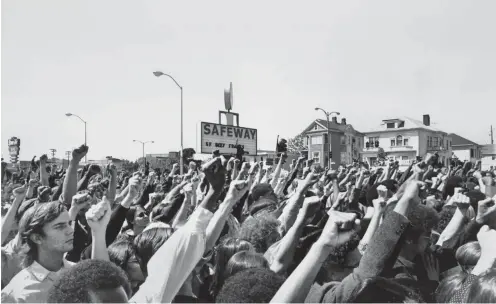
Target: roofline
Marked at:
404, 129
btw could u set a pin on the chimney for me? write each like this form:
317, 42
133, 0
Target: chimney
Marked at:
335, 119
343, 121
427, 120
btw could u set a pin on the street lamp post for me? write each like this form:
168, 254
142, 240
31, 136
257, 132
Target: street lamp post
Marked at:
328, 114
158, 74
69, 115
143, 145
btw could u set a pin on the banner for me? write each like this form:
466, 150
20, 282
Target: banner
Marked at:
224, 138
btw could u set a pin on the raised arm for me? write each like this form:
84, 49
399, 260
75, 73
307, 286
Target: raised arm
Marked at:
9, 219
98, 218
69, 188
43, 172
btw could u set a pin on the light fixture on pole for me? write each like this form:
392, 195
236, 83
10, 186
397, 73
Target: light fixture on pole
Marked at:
85, 143
158, 74
143, 144
328, 114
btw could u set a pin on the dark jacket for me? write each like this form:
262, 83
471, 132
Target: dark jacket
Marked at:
380, 251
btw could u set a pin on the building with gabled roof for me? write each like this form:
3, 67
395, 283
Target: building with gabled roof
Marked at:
465, 149
405, 138
343, 147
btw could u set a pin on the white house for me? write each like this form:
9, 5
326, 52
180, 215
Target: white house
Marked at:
404, 138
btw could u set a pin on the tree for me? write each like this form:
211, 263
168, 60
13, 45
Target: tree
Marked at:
297, 144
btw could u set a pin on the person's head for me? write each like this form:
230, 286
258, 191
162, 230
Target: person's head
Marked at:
222, 253
123, 254
137, 217
448, 286
418, 235
468, 255
245, 260
90, 281
46, 227
483, 290
261, 231
261, 197
148, 242
256, 285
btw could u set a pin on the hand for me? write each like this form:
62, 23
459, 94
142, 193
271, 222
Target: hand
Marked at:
43, 159
175, 167
20, 191
32, 183
486, 213
379, 205
461, 201
477, 175
486, 238
382, 191
79, 153
412, 190
254, 169
134, 185
80, 201
431, 265
44, 193
300, 160
332, 236
309, 181
237, 189
98, 216
188, 189
94, 169
215, 173
243, 173
112, 169
310, 206
230, 163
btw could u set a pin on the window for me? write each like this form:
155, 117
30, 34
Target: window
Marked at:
429, 141
343, 140
306, 141
436, 142
317, 140
316, 157
393, 142
399, 140
326, 139
404, 158
390, 125
405, 142
315, 127
472, 153
401, 124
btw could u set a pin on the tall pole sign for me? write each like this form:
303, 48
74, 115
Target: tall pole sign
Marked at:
14, 149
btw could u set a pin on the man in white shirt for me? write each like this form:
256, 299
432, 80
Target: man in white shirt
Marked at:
46, 231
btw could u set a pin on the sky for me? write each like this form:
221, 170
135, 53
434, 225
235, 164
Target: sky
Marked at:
369, 60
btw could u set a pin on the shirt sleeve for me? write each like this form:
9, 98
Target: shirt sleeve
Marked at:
171, 265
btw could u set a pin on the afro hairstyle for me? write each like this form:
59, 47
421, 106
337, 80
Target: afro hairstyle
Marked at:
256, 285
73, 284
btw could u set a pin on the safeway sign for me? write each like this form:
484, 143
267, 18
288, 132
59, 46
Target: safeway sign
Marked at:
224, 137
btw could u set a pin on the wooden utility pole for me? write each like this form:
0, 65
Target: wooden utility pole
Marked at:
491, 134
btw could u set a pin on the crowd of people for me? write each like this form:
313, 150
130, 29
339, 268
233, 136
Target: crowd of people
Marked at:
230, 231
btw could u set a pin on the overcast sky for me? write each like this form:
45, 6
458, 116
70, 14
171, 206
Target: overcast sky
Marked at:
370, 60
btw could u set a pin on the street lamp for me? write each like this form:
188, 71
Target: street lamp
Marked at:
328, 114
69, 115
158, 74
143, 144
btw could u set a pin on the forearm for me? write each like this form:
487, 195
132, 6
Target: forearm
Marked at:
287, 247
454, 227
216, 224
290, 211
112, 189
297, 286
209, 202
9, 218
175, 191
70, 185
405, 174
372, 228
182, 215
483, 265
44, 175
99, 247
83, 183
277, 173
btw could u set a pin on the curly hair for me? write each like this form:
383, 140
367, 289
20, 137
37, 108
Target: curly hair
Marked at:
422, 220
445, 217
32, 222
257, 230
74, 284
256, 285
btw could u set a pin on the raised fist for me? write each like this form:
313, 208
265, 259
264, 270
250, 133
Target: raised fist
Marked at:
98, 216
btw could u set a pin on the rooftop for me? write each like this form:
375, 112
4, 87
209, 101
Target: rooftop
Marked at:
457, 140
410, 123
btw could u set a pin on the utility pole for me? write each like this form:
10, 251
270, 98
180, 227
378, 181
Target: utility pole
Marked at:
68, 153
491, 134
53, 153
